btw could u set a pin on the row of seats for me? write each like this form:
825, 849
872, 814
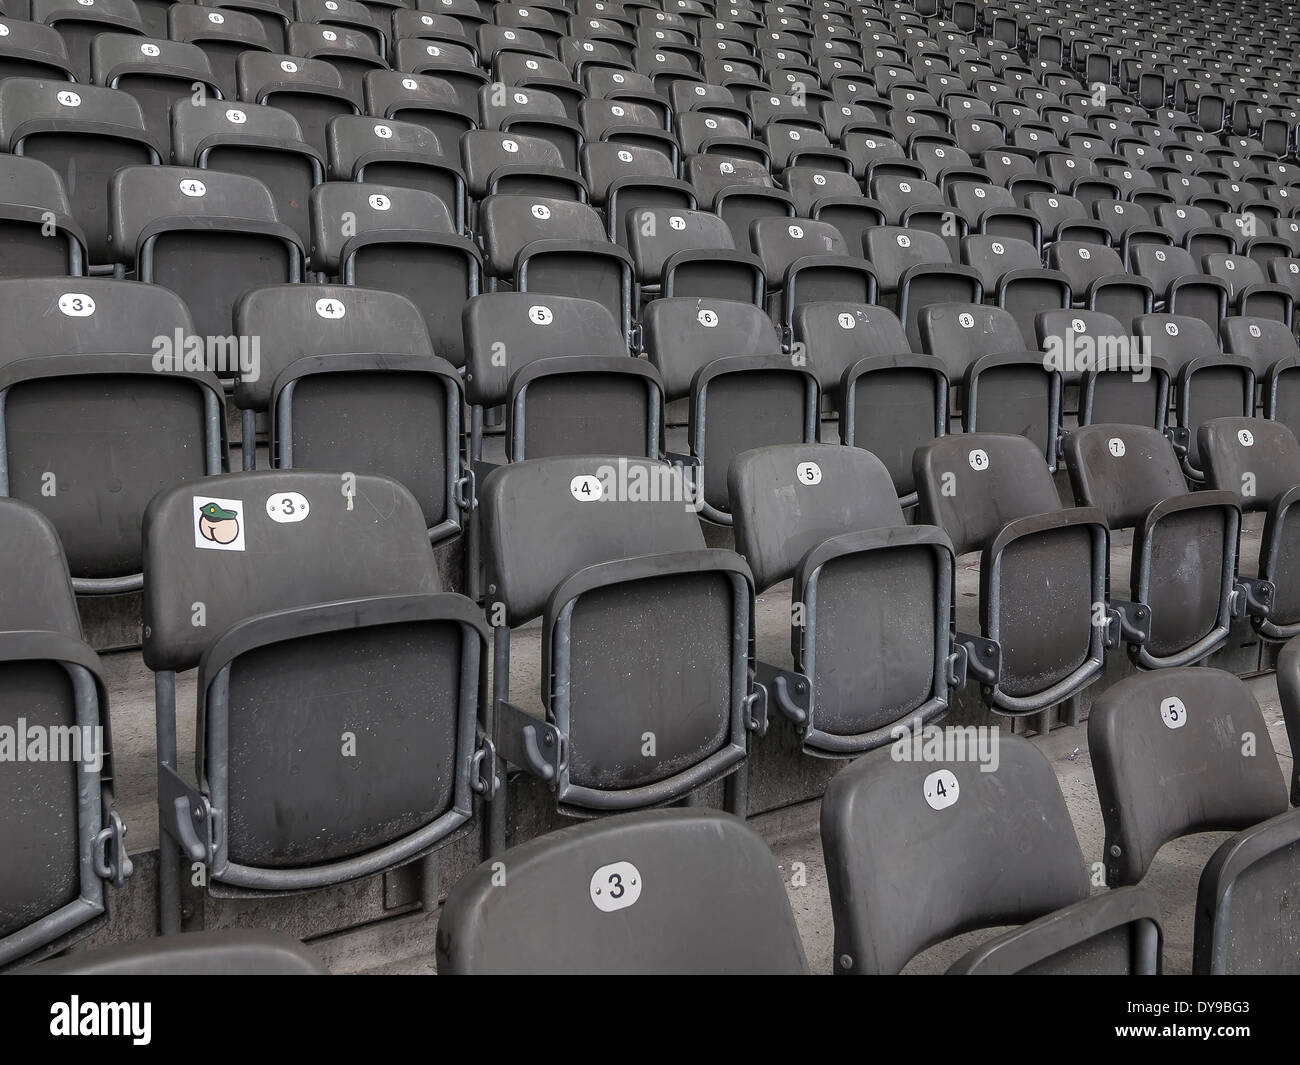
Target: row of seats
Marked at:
693, 891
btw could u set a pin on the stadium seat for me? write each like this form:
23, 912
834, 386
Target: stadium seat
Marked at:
227, 952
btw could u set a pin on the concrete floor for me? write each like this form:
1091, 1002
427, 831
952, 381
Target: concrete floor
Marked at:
405, 944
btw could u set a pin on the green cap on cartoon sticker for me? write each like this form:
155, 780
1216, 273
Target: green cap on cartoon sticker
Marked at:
215, 513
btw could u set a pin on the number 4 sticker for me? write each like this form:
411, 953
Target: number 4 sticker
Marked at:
941, 789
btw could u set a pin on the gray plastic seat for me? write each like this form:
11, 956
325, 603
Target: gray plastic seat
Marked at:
309, 89
424, 99
257, 141
890, 828
744, 393
828, 517
645, 633
350, 381
1118, 383
207, 235
401, 240
311, 583
80, 23
103, 403
223, 34
59, 830
1207, 383
1257, 461
85, 134
624, 179
664, 892
1182, 578
691, 253
1171, 756
560, 366
226, 952
31, 50
889, 400
515, 163
1042, 567
32, 202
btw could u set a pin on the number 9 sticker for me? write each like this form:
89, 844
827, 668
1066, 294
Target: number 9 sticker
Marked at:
287, 507
615, 886
941, 789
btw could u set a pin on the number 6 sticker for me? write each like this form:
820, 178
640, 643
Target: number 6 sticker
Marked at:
979, 459
615, 886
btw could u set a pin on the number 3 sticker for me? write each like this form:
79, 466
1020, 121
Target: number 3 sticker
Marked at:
615, 887
287, 507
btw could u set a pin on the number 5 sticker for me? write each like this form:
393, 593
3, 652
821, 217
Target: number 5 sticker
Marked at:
1173, 713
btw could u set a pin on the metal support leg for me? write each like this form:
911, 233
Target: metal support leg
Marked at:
248, 439
429, 880
737, 800
169, 856
496, 819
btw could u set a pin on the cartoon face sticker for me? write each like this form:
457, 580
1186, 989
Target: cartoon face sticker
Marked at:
218, 523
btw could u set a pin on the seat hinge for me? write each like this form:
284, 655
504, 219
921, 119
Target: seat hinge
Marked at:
529, 742
1253, 597
790, 691
110, 858
188, 816
983, 657
1127, 622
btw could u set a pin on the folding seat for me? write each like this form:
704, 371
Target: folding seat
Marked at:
1011, 271
1183, 590
915, 267
344, 14
360, 148
1098, 280
1042, 567
309, 89
1249, 292
738, 203
260, 142
38, 235
556, 247
890, 825
277, 557
810, 184
455, 65
223, 952
1288, 689
351, 52
63, 837
804, 262
744, 393
84, 135
31, 50
273, 16
1258, 462
828, 517
78, 23
431, 26
1170, 758
1117, 382
1003, 386
1177, 282
148, 429
625, 179
223, 35
902, 197
350, 381
726, 912
866, 146
1058, 214
419, 98
206, 235
687, 686
399, 240
1207, 383
533, 113
1271, 349
508, 162
156, 72
622, 84
560, 366
691, 253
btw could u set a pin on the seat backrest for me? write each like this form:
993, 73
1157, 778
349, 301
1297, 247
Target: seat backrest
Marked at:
685, 333
505, 331
1261, 340
962, 332
34, 104
483, 150
38, 589
291, 321
660, 891
219, 543
781, 512
655, 233
76, 316
1177, 751
1176, 338
1123, 470
1255, 458
892, 250
836, 334
892, 829
353, 140
343, 210
974, 484
195, 128
546, 519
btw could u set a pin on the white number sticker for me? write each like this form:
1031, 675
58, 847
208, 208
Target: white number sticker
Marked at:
1116, 447
707, 318
978, 459
193, 187
235, 116
1173, 713
615, 887
68, 99
941, 789
1246, 437
540, 315
332, 309
540, 210
287, 507
808, 473
585, 488
380, 202
76, 305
